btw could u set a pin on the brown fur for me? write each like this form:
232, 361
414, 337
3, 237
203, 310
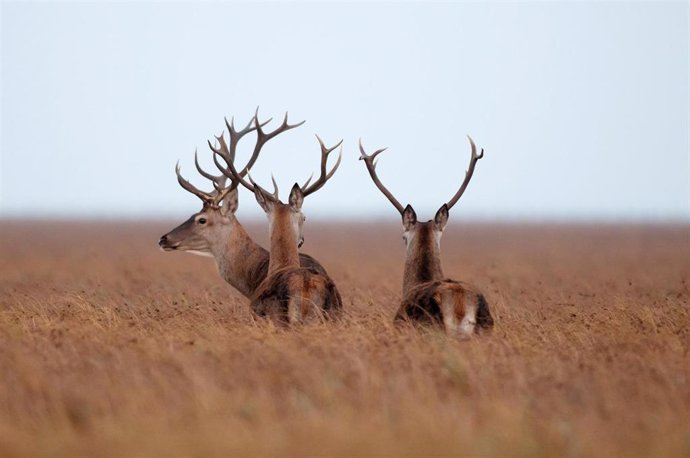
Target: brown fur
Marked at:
259, 270
423, 263
284, 251
241, 262
291, 293
273, 295
423, 303
424, 287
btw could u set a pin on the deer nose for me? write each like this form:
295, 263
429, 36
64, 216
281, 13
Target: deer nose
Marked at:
163, 241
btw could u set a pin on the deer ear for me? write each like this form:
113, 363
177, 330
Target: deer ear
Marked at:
230, 202
262, 200
296, 197
409, 217
441, 218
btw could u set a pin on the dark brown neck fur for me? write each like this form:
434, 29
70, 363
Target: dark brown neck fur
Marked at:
423, 261
284, 252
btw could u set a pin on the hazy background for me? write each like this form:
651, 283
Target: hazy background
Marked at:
582, 107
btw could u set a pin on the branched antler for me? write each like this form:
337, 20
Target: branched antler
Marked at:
369, 161
228, 154
213, 199
323, 176
218, 181
262, 137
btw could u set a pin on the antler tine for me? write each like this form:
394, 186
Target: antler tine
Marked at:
236, 135
272, 196
223, 152
275, 187
222, 149
306, 183
218, 181
263, 137
468, 174
266, 136
223, 170
256, 119
324, 176
371, 167
337, 164
232, 173
231, 125
206, 197
227, 153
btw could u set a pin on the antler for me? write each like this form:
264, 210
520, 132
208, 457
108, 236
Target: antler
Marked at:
218, 181
371, 167
213, 198
323, 177
228, 153
262, 138
468, 174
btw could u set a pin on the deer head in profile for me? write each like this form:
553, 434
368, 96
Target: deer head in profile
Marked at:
427, 294
205, 230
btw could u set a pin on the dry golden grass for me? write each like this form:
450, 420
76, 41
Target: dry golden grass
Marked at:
111, 347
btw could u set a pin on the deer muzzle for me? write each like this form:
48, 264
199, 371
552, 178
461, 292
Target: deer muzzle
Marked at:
165, 244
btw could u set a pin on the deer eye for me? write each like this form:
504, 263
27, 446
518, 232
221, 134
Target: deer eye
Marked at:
201, 221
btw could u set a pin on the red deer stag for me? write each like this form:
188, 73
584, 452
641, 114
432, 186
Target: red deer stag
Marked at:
215, 231
427, 295
290, 293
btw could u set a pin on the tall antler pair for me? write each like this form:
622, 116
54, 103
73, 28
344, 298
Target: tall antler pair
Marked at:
370, 162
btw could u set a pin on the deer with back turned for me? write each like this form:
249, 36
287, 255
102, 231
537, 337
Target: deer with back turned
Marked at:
290, 293
428, 296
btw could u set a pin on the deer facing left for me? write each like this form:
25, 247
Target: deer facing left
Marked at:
290, 293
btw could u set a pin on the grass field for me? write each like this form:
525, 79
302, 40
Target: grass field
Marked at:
110, 347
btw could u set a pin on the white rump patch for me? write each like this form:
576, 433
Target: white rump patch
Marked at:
466, 328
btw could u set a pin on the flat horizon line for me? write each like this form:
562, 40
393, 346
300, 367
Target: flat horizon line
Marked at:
508, 221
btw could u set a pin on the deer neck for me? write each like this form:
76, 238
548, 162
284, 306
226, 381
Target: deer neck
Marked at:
423, 260
284, 252
238, 257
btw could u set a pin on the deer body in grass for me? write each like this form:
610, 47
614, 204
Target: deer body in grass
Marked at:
291, 292
215, 230
428, 295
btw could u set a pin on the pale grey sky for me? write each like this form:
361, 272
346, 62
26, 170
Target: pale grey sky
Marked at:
582, 107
